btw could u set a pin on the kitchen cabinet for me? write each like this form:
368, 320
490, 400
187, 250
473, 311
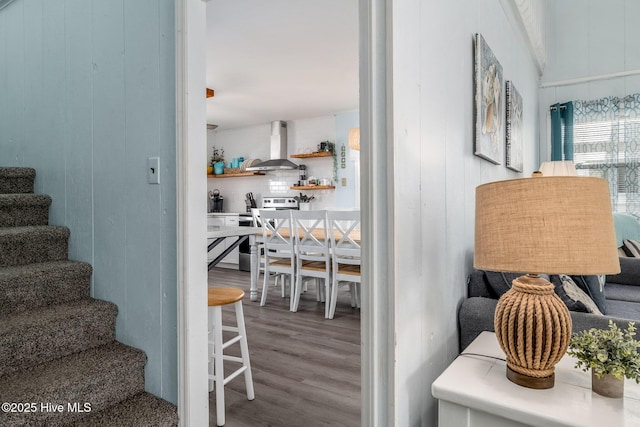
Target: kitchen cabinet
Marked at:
224, 220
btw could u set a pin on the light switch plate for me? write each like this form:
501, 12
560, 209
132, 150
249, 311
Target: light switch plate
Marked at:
344, 182
153, 170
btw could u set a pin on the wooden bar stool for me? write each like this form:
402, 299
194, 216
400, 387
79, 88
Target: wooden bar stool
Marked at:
217, 298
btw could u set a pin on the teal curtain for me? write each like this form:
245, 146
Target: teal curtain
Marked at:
562, 131
556, 133
567, 117
607, 145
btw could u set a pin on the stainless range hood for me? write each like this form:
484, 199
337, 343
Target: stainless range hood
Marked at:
278, 159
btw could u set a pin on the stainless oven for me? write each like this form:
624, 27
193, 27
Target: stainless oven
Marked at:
279, 203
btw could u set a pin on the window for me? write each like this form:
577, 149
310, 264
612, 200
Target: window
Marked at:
606, 138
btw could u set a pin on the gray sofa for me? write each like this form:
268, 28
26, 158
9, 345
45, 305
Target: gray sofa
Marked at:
621, 293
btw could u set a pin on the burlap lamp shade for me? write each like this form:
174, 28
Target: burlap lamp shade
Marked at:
550, 225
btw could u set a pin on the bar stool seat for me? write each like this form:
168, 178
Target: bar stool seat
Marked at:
217, 298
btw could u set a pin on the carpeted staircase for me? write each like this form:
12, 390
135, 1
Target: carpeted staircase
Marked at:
59, 361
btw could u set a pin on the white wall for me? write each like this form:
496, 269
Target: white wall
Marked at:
303, 136
87, 95
587, 38
436, 174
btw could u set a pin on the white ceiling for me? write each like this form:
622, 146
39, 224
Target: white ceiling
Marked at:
280, 60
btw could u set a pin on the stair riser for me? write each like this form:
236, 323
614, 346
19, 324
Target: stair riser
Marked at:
16, 180
18, 294
100, 390
21, 216
25, 346
33, 247
16, 185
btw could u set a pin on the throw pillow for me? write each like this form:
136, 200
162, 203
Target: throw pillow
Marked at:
572, 304
594, 287
574, 293
631, 248
498, 282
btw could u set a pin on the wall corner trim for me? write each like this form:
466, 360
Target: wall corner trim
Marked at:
532, 15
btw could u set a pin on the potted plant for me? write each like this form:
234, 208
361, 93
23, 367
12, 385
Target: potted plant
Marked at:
217, 160
612, 355
331, 147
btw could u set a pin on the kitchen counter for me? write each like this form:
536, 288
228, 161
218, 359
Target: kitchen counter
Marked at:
222, 213
210, 214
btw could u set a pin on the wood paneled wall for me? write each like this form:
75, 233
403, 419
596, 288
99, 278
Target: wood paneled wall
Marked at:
87, 94
436, 173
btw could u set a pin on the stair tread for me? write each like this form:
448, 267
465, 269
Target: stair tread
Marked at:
141, 410
16, 171
44, 379
42, 229
24, 209
33, 244
42, 316
35, 336
101, 377
16, 180
29, 286
25, 199
46, 268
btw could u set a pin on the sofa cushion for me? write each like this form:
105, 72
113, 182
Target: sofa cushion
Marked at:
498, 282
624, 310
475, 315
629, 272
616, 291
477, 285
489, 284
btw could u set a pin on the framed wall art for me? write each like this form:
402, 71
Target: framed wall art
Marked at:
514, 127
489, 105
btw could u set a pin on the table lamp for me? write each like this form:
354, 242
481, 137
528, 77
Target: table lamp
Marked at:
541, 225
558, 168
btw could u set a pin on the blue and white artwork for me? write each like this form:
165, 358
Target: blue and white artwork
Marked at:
489, 105
514, 128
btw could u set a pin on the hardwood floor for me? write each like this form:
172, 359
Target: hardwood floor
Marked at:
306, 369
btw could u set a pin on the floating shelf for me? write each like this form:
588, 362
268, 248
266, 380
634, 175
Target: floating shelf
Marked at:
313, 187
234, 175
308, 155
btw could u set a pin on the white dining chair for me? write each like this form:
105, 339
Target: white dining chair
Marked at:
312, 254
345, 254
279, 253
259, 264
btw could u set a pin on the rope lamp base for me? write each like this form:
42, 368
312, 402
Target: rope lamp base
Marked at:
530, 382
533, 327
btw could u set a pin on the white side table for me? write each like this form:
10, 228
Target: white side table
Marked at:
474, 391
